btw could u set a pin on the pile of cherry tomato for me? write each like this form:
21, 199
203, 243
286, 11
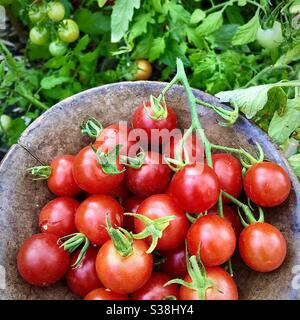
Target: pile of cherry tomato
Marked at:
128, 227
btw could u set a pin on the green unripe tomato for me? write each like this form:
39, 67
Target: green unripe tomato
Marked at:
68, 31
37, 13
270, 38
5, 123
58, 48
38, 36
56, 11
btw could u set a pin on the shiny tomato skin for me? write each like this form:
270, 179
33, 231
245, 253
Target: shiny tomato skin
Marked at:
193, 146
115, 134
175, 262
262, 247
124, 274
105, 294
61, 181
159, 206
90, 218
83, 279
141, 120
40, 261
222, 280
267, 184
144, 70
131, 205
151, 178
154, 288
90, 176
215, 237
231, 216
229, 171
196, 187
58, 216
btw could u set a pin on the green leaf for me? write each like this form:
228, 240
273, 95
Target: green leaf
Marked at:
281, 127
140, 25
247, 32
249, 100
121, 16
197, 16
92, 23
56, 62
156, 4
13, 134
290, 56
157, 48
294, 162
101, 3
142, 48
53, 81
210, 24
177, 13
82, 44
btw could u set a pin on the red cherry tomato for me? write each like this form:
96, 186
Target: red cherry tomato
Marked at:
83, 279
229, 172
90, 218
215, 238
124, 274
262, 247
196, 188
61, 181
89, 175
231, 216
40, 261
58, 216
154, 288
192, 145
105, 294
116, 134
159, 206
175, 262
131, 204
142, 120
224, 287
267, 184
151, 178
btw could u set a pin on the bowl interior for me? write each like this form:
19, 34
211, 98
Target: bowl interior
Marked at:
57, 132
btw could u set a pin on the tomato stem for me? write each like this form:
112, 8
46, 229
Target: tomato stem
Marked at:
121, 239
92, 128
153, 228
136, 162
41, 172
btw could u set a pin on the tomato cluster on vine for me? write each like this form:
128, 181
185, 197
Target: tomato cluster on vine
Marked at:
153, 224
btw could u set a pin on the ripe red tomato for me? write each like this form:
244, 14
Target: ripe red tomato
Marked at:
131, 204
142, 120
40, 261
61, 181
193, 146
215, 238
116, 134
90, 218
83, 279
151, 178
229, 172
231, 216
105, 294
89, 175
267, 184
159, 206
58, 216
175, 262
262, 247
224, 286
124, 274
154, 288
196, 187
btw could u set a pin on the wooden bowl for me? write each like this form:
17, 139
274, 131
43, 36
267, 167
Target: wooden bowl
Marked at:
57, 132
